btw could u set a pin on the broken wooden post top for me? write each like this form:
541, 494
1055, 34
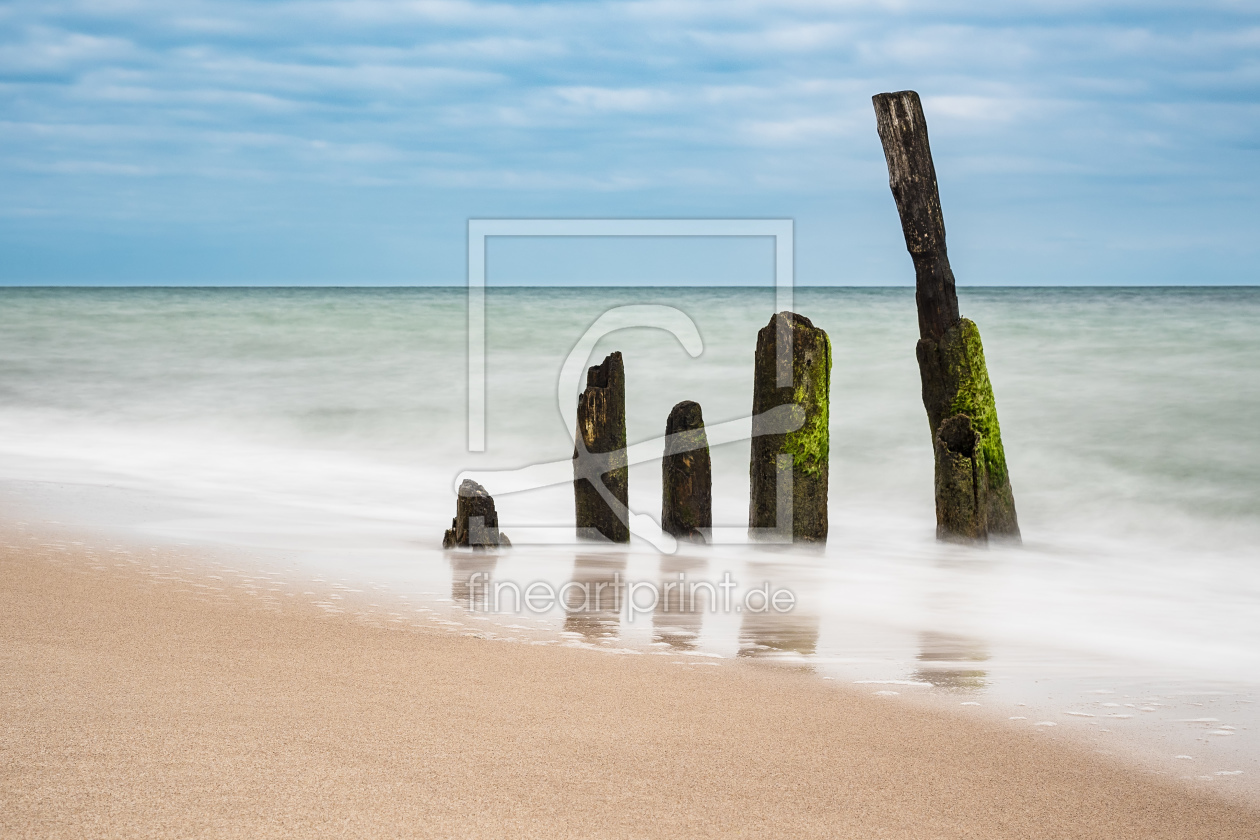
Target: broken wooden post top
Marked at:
911, 174
912, 177
602, 374
476, 523
684, 417
469, 488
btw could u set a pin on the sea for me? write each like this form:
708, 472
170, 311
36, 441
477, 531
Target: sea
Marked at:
323, 432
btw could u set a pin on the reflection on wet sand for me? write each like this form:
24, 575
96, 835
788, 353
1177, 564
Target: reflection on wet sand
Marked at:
771, 634
593, 606
463, 569
766, 631
680, 608
944, 659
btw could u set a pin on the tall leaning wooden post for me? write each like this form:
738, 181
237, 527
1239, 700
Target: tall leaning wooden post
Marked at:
973, 489
805, 450
599, 454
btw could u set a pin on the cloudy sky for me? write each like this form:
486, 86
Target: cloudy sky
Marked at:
348, 142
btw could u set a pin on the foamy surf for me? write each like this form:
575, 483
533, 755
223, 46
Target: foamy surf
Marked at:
321, 430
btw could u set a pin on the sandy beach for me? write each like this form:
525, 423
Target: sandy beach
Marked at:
139, 705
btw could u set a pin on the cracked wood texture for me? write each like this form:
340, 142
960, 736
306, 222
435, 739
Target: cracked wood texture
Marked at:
973, 492
599, 455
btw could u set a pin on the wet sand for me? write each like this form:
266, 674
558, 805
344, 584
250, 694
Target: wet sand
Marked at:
137, 706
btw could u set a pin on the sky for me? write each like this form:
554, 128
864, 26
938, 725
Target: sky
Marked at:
348, 143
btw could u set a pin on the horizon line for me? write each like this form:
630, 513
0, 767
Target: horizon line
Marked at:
464, 286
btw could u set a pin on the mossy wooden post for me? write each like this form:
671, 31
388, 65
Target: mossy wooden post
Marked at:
809, 445
599, 454
973, 489
686, 475
476, 524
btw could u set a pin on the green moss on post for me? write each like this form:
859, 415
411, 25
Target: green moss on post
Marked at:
951, 359
961, 484
956, 383
810, 445
974, 397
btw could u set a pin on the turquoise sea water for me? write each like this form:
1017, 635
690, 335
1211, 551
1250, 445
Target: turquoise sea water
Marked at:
330, 424
1128, 413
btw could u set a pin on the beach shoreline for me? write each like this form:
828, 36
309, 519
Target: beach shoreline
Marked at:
148, 698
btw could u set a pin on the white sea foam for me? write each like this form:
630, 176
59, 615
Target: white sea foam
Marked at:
326, 427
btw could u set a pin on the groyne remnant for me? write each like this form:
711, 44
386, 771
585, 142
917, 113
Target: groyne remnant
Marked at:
973, 489
476, 524
800, 456
601, 475
686, 475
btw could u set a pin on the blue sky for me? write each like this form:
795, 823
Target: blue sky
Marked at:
349, 142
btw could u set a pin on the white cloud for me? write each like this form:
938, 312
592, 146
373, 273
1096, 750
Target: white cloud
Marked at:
989, 109
88, 167
607, 96
47, 49
796, 131
796, 38
615, 99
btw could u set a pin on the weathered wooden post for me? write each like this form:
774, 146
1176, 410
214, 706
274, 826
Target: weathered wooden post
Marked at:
599, 454
476, 524
807, 448
973, 489
686, 475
